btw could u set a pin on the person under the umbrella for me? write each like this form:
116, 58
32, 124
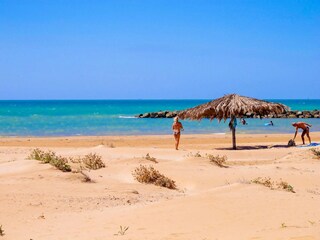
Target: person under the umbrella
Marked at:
177, 128
305, 130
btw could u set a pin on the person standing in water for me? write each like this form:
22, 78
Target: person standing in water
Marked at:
177, 128
305, 130
243, 121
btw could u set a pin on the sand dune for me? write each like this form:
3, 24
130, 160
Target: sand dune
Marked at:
41, 202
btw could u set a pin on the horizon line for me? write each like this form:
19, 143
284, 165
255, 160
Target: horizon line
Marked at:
144, 99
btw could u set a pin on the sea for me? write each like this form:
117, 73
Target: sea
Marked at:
117, 117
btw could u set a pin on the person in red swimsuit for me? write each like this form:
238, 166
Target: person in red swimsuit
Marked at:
305, 130
177, 128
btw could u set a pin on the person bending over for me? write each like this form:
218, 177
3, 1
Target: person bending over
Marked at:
177, 127
305, 130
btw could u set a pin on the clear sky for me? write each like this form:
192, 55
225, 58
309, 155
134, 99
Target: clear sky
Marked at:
157, 49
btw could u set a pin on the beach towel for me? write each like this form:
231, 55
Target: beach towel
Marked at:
310, 145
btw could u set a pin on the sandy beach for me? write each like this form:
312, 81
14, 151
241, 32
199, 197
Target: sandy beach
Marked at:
39, 202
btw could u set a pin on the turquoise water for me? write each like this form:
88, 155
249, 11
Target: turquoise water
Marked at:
115, 117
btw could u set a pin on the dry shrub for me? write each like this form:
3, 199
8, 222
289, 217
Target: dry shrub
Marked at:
152, 159
111, 145
1, 231
86, 177
93, 161
77, 160
122, 231
50, 157
197, 154
273, 185
243, 181
150, 175
218, 160
263, 181
316, 152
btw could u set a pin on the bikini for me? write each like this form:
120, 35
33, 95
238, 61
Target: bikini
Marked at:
306, 130
176, 132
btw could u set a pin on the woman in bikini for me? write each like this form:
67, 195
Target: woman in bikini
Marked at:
177, 127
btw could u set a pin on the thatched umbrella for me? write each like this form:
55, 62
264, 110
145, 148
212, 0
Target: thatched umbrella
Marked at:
232, 106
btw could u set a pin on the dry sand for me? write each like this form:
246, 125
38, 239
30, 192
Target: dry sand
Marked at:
40, 202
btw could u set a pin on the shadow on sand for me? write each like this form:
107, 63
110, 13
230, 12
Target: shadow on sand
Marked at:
256, 147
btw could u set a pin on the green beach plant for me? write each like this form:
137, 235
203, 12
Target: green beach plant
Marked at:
61, 163
267, 182
285, 186
50, 157
90, 161
41, 155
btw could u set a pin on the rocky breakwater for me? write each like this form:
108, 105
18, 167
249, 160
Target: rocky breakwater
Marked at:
289, 114
160, 114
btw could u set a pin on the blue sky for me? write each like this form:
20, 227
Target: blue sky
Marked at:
159, 49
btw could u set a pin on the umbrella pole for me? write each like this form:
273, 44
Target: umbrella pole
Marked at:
234, 138
233, 129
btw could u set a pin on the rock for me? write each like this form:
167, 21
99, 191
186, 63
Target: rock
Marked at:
170, 115
289, 114
146, 115
153, 115
315, 112
161, 115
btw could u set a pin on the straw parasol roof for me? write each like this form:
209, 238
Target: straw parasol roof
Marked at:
232, 106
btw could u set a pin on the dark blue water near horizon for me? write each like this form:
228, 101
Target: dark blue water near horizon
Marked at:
116, 117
